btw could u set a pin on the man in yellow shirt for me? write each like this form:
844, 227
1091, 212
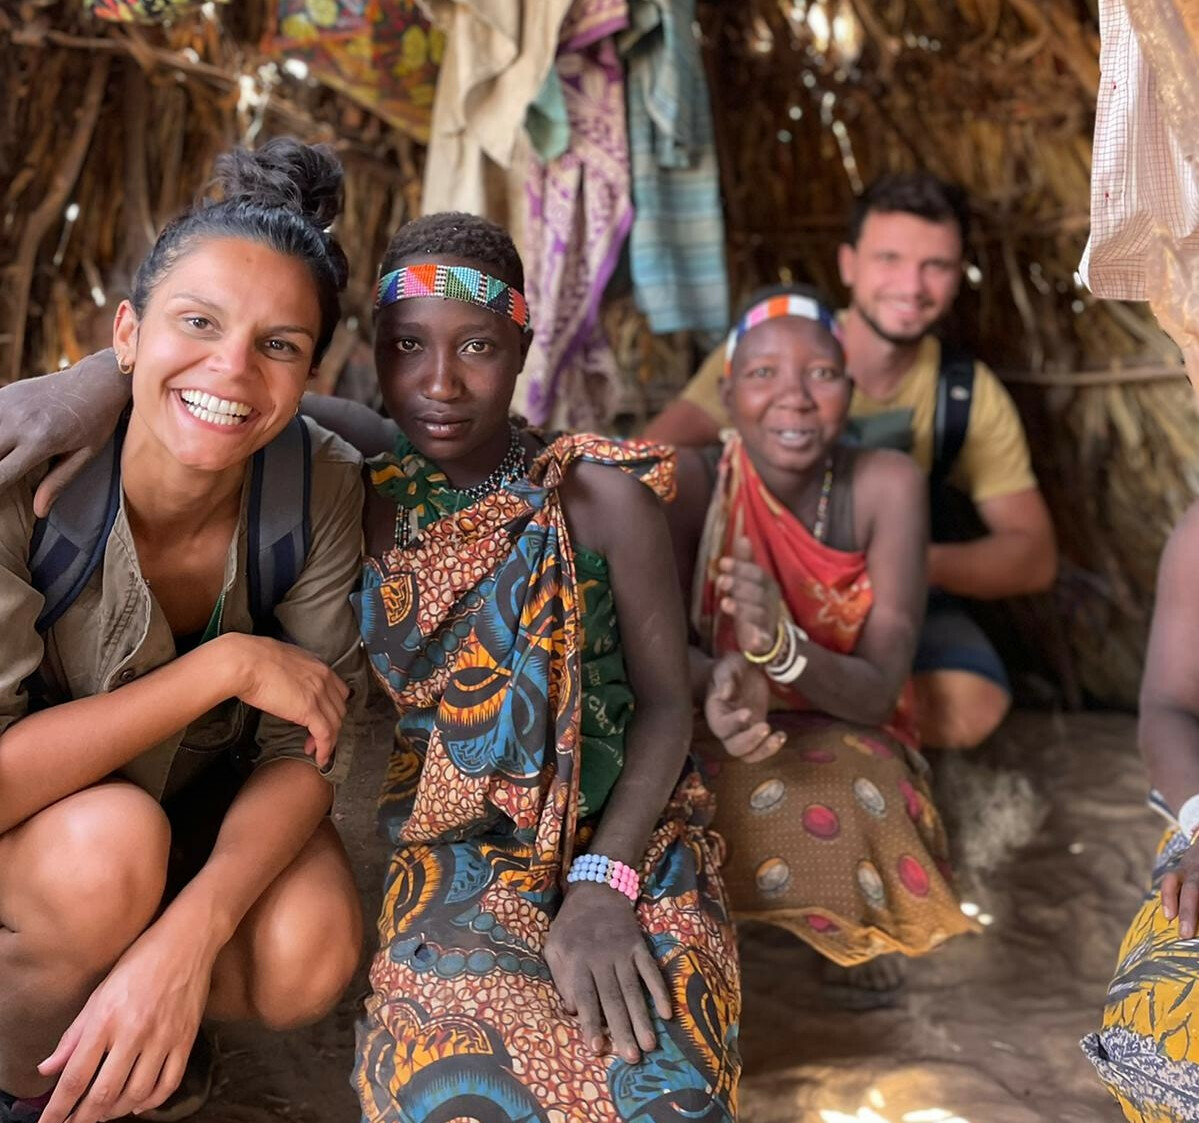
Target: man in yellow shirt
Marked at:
902, 263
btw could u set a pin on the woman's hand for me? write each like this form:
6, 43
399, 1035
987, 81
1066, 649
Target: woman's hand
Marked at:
1180, 893
599, 959
70, 414
128, 1048
750, 597
290, 683
736, 707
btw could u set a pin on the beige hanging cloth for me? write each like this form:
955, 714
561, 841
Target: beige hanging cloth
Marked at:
498, 54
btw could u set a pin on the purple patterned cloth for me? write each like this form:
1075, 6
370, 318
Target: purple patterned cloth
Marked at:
579, 212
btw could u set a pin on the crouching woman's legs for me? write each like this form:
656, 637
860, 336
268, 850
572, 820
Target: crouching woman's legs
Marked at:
79, 882
835, 838
296, 950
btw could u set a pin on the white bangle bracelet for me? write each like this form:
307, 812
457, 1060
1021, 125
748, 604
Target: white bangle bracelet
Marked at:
789, 664
1188, 817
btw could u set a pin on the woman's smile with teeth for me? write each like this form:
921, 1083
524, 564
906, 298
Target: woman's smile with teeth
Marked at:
214, 410
794, 434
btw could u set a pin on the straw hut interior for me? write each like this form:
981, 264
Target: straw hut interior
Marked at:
110, 128
811, 98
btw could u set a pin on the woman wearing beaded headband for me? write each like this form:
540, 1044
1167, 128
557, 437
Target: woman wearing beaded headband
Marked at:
520, 607
804, 561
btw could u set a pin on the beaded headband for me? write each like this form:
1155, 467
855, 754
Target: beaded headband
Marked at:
454, 282
771, 308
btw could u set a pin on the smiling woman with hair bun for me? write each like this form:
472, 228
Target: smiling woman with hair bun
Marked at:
166, 761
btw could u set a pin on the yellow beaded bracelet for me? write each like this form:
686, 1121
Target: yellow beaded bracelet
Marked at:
770, 656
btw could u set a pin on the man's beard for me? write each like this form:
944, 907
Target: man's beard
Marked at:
894, 338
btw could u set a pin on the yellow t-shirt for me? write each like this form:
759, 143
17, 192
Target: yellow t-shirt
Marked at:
994, 459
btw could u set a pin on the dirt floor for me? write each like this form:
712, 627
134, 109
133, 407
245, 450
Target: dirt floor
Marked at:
1053, 842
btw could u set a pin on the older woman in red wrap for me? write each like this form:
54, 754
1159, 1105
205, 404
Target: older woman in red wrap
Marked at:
804, 559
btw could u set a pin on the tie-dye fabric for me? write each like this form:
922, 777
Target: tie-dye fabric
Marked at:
479, 631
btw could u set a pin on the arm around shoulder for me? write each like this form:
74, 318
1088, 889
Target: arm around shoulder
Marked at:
359, 425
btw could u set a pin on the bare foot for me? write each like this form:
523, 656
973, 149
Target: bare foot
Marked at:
868, 986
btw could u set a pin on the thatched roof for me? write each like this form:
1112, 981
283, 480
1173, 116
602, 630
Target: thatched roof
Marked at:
811, 99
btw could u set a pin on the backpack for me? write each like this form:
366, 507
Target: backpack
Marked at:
68, 544
955, 393
952, 513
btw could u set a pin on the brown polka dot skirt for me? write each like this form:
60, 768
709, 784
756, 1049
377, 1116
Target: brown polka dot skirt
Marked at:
836, 839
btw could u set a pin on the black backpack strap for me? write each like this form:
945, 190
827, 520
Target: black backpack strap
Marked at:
280, 527
68, 545
955, 393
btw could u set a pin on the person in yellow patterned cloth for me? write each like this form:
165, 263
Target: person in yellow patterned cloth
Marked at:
1147, 1051
554, 943
806, 564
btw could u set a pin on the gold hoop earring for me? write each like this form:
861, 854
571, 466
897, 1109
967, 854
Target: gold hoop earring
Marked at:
123, 367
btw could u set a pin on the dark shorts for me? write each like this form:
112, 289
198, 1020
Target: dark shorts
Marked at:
196, 813
951, 640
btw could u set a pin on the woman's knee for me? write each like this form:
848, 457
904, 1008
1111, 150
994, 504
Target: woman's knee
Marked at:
307, 944
95, 872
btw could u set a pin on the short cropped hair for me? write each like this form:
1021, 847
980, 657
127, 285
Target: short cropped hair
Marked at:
919, 193
456, 234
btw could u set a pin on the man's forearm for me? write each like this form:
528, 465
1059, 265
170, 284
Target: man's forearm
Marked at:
1009, 564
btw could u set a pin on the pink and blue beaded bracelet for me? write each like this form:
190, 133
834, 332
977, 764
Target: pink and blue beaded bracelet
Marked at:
606, 871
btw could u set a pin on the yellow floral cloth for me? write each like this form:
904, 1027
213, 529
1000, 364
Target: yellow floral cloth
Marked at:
1147, 1052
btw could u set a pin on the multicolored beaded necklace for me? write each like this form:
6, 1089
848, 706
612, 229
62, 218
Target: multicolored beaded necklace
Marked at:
511, 467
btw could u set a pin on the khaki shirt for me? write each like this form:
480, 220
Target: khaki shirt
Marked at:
994, 460
116, 632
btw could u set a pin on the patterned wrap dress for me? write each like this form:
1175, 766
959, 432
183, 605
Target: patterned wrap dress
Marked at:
835, 837
498, 643
1147, 1052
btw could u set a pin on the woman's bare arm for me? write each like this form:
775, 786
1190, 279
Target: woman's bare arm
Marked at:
72, 413
271, 818
54, 752
685, 516
1168, 731
355, 423
64, 749
613, 513
69, 414
596, 950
